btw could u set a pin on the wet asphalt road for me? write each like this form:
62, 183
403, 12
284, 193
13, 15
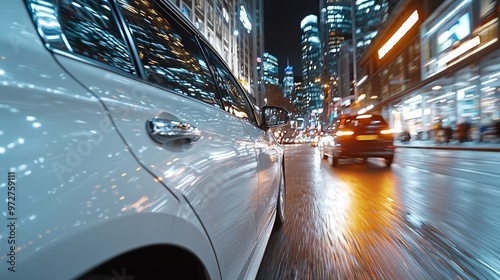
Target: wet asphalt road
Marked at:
433, 215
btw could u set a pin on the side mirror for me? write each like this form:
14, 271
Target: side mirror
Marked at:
274, 117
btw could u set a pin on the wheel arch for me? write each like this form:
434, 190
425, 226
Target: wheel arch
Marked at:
151, 262
128, 238
160, 243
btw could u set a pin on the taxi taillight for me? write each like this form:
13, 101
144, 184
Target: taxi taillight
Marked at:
344, 133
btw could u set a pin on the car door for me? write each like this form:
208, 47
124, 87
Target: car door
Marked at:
171, 118
268, 151
270, 161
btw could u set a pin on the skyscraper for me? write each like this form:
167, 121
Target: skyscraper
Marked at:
299, 100
234, 28
270, 64
370, 15
335, 28
311, 62
288, 83
340, 47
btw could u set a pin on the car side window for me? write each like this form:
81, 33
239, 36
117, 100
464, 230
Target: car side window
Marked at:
234, 99
169, 53
83, 27
349, 123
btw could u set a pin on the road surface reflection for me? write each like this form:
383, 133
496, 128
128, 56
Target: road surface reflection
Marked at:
354, 222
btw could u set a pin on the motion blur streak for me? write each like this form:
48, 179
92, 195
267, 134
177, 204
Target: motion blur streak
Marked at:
366, 221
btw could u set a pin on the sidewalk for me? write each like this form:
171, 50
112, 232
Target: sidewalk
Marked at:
485, 146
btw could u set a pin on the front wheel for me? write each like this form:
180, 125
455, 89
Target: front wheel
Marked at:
280, 205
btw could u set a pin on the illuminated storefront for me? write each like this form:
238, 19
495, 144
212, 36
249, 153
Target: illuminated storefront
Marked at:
460, 59
460, 71
390, 69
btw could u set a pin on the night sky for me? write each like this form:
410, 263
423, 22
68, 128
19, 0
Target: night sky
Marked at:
282, 30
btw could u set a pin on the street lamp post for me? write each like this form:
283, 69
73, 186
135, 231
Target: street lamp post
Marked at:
354, 58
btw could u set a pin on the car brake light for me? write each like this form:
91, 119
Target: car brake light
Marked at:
344, 133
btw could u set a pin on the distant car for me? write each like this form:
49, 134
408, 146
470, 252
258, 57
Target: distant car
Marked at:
315, 141
129, 149
359, 136
288, 140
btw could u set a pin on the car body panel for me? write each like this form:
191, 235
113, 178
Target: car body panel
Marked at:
217, 174
269, 155
91, 182
78, 187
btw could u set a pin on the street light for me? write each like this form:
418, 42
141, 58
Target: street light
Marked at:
354, 58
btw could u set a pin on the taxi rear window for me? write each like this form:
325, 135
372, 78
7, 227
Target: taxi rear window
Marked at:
363, 122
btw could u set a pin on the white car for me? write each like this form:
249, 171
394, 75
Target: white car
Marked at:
128, 149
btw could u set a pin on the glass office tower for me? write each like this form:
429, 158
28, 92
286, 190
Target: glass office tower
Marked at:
235, 29
335, 27
270, 64
288, 83
311, 62
370, 15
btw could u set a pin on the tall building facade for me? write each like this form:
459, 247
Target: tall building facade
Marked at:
288, 83
436, 64
311, 62
270, 64
300, 102
235, 29
258, 88
369, 17
335, 27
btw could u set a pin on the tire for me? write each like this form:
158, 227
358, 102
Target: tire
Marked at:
280, 205
388, 161
152, 262
335, 161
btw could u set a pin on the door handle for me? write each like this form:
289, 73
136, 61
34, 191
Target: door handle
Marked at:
164, 131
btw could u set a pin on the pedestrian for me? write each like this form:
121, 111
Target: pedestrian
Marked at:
482, 132
405, 136
462, 132
468, 130
497, 130
448, 132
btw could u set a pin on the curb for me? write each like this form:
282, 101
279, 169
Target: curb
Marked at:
454, 147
